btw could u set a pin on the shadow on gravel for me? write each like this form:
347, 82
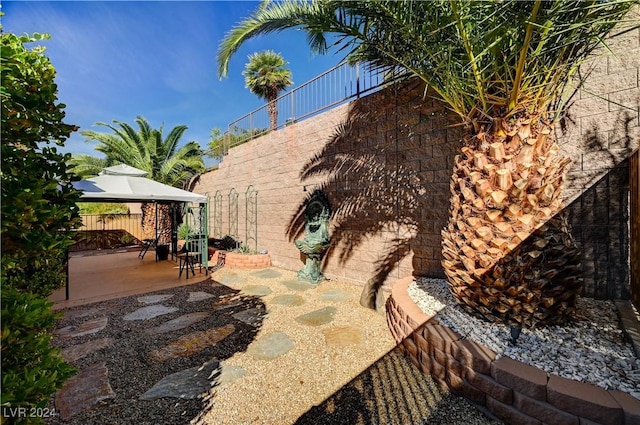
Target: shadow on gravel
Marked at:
140, 353
393, 391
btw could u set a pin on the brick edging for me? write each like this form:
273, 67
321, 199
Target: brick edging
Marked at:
235, 260
515, 392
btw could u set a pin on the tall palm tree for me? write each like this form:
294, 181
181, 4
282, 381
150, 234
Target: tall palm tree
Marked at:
503, 67
265, 77
147, 149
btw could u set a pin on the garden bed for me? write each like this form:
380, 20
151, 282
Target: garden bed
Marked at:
235, 260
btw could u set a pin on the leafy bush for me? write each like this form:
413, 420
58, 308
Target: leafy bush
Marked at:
102, 208
38, 200
38, 215
245, 249
31, 369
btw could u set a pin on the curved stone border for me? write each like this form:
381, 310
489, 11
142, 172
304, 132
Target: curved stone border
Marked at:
513, 391
234, 260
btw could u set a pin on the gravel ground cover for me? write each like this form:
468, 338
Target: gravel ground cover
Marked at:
338, 364
592, 348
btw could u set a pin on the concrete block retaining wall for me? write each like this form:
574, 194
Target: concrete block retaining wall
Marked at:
513, 391
385, 160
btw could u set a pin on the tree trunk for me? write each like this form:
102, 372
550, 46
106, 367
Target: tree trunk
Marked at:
149, 221
507, 253
272, 107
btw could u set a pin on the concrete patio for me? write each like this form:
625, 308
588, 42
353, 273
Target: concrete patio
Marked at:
98, 276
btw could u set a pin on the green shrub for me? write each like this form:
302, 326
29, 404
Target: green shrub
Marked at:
245, 249
103, 208
38, 215
31, 369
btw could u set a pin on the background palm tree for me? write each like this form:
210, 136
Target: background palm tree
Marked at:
144, 148
504, 68
265, 77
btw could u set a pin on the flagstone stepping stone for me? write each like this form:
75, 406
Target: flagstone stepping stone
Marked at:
85, 328
256, 290
199, 296
335, 295
227, 303
267, 274
340, 336
79, 351
288, 299
178, 323
154, 299
89, 387
149, 312
229, 374
89, 312
186, 384
297, 285
231, 279
252, 316
270, 346
317, 317
192, 343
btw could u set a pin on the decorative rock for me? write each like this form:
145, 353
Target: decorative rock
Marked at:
199, 296
270, 346
267, 274
317, 317
192, 343
297, 285
154, 299
229, 374
94, 311
83, 391
288, 299
75, 352
256, 290
178, 323
146, 313
186, 384
227, 302
86, 328
232, 279
252, 316
335, 295
341, 336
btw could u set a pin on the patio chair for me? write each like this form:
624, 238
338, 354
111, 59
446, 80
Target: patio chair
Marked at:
149, 243
188, 256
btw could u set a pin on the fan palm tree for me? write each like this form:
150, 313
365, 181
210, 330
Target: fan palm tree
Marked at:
504, 68
265, 77
147, 149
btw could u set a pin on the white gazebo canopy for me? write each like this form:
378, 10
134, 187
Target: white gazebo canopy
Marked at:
125, 183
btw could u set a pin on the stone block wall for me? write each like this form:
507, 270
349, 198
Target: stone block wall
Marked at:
384, 162
601, 130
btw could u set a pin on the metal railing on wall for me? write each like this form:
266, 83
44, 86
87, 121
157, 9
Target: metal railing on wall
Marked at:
329, 89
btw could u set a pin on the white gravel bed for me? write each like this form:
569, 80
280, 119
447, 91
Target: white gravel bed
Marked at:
590, 349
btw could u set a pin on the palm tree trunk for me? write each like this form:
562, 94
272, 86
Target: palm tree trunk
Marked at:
272, 107
507, 255
149, 221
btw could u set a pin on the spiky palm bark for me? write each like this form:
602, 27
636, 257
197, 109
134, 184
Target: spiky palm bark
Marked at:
507, 256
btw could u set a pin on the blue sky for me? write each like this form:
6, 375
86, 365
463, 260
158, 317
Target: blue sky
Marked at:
116, 60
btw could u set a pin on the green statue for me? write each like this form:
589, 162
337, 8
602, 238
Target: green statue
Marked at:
316, 239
